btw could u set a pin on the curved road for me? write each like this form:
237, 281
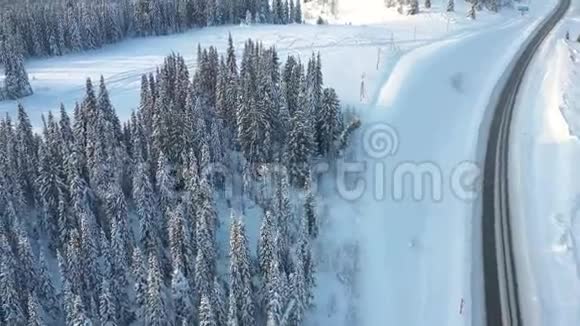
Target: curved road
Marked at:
500, 274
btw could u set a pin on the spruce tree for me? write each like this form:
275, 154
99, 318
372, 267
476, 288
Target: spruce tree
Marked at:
450, 5
285, 12
79, 316
298, 12
140, 285
46, 292
145, 206
305, 255
291, 12
119, 268
472, 11
286, 221
36, 315
182, 298
66, 131
493, 5
27, 160
16, 82
211, 13
311, 221
206, 227
329, 124
74, 265
300, 141
121, 234
67, 291
206, 313
89, 258
156, 309
242, 309
10, 301
107, 307
166, 189
219, 303
203, 277
414, 7
75, 42
298, 291
274, 305
267, 250
27, 268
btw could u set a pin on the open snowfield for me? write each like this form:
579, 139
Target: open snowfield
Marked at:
348, 53
543, 166
428, 95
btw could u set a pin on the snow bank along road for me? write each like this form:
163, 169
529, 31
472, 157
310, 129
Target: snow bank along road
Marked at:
501, 286
544, 151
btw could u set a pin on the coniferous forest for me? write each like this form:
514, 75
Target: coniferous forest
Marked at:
57, 27
106, 222
54, 28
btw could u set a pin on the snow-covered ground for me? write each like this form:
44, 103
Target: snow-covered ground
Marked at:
348, 53
420, 258
428, 94
544, 175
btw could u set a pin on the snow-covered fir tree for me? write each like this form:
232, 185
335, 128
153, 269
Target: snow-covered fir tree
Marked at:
241, 300
267, 249
107, 308
146, 210
206, 313
12, 309
182, 298
16, 84
413, 7
300, 139
55, 28
140, 284
131, 212
46, 291
328, 123
311, 219
472, 13
36, 315
156, 306
79, 316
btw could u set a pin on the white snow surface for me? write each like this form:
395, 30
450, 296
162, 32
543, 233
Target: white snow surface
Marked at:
543, 180
420, 254
348, 52
417, 258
